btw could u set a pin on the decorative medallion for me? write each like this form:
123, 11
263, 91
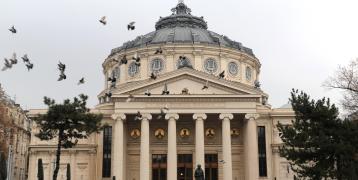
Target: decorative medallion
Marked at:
184, 133
159, 133
234, 132
135, 133
210, 132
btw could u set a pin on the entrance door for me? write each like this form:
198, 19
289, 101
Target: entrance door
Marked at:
211, 167
185, 167
159, 167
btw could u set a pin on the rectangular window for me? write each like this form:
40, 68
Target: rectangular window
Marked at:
185, 167
211, 167
262, 151
107, 150
159, 167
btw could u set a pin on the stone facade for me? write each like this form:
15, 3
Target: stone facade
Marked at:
229, 128
14, 136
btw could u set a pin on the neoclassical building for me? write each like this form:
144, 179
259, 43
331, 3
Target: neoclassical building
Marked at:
193, 97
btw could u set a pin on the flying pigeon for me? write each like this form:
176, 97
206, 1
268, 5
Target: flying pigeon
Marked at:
136, 57
29, 66
206, 86
159, 51
113, 81
62, 76
103, 20
7, 65
25, 59
162, 114
166, 107
13, 30
61, 67
131, 26
147, 93
138, 116
108, 94
257, 84
124, 60
222, 75
222, 161
13, 60
153, 76
81, 81
165, 90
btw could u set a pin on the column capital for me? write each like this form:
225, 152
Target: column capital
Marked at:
226, 115
172, 115
202, 115
147, 116
252, 116
118, 116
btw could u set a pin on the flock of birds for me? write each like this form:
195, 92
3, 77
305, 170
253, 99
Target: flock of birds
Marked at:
9, 63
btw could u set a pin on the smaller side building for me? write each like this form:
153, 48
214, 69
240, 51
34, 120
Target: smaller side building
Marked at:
15, 136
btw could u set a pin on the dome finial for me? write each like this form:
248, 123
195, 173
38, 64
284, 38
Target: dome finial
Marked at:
180, 1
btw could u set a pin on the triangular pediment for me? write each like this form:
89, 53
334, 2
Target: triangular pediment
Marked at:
189, 79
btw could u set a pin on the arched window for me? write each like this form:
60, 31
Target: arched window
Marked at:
133, 69
248, 73
156, 65
233, 68
211, 66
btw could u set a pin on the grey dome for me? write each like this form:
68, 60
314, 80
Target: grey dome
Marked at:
182, 27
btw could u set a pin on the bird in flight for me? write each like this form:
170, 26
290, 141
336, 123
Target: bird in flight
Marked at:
153, 76
108, 94
103, 20
206, 85
13, 60
138, 116
13, 30
62, 68
7, 65
113, 81
131, 26
130, 98
222, 75
81, 81
25, 59
165, 90
124, 60
136, 58
29, 66
62, 76
159, 51
147, 93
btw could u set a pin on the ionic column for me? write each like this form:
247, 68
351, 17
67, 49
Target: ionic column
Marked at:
199, 140
226, 141
144, 148
251, 148
172, 146
118, 144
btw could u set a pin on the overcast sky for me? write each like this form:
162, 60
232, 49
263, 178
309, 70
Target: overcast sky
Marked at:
300, 43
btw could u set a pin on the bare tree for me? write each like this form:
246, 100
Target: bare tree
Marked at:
346, 79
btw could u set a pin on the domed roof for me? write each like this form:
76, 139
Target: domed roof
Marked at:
182, 27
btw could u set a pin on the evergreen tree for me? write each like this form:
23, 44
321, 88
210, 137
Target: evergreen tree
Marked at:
40, 170
68, 172
67, 122
319, 145
3, 173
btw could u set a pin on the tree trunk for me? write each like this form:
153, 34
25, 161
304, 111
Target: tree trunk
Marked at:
58, 156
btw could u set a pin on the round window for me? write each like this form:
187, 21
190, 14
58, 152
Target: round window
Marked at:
233, 68
211, 66
248, 73
157, 65
133, 69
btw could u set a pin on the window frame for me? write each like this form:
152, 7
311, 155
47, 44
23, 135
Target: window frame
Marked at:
237, 68
132, 66
214, 63
153, 62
